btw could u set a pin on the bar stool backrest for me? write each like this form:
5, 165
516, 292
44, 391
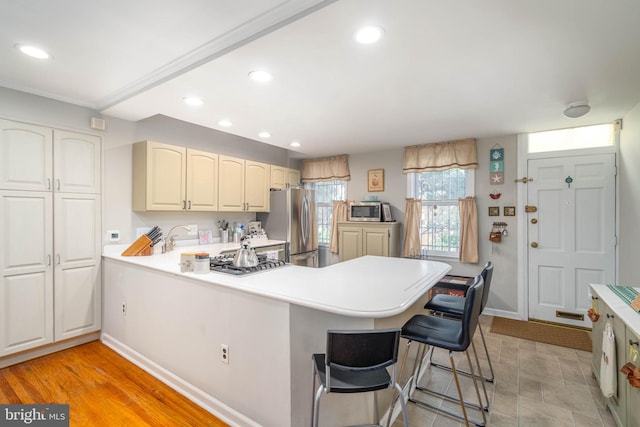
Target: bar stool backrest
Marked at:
360, 349
471, 313
487, 275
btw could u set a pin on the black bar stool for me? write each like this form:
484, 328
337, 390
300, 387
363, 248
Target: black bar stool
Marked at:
451, 305
452, 335
357, 362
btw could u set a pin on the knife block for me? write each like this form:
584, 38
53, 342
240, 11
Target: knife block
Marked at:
142, 246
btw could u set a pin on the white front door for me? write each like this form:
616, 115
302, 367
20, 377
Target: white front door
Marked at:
571, 235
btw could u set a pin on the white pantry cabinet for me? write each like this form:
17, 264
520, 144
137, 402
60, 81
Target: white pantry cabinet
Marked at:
50, 235
356, 239
171, 178
244, 185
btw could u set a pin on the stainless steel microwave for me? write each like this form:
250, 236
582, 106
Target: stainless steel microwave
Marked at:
365, 211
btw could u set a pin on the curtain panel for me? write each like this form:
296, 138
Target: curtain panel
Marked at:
468, 230
339, 214
411, 241
441, 156
326, 169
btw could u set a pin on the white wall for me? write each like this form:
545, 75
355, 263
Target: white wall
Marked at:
504, 292
629, 196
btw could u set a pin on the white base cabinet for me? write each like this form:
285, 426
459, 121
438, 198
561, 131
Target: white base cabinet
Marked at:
356, 239
625, 402
50, 236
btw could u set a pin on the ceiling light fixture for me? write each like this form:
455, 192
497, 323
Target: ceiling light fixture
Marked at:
577, 109
295, 144
264, 134
192, 100
33, 51
260, 76
225, 123
369, 34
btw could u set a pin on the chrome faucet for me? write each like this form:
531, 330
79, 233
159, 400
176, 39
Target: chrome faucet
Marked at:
170, 241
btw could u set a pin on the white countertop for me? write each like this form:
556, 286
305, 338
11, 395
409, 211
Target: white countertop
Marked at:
624, 311
369, 286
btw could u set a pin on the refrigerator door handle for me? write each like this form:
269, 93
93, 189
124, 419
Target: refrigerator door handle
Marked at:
305, 220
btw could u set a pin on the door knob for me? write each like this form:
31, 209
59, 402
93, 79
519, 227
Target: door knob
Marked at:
534, 244
534, 220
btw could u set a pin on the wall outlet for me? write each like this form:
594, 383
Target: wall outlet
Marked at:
193, 230
224, 353
124, 308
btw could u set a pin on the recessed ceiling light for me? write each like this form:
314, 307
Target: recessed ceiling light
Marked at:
225, 123
264, 135
295, 144
33, 51
369, 34
192, 100
260, 76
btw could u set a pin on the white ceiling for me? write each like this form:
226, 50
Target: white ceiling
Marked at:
444, 69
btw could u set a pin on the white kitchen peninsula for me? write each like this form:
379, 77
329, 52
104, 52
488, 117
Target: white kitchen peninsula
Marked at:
173, 325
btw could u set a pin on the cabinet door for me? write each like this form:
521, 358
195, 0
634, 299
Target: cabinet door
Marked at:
278, 177
256, 187
26, 290
202, 181
76, 162
349, 242
633, 393
77, 264
293, 178
231, 181
165, 177
25, 157
375, 241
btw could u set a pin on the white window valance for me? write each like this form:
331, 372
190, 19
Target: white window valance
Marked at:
441, 156
326, 169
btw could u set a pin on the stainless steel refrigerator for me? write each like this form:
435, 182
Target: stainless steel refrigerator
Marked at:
292, 218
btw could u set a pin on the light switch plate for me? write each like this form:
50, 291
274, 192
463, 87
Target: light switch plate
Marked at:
113, 235
193, 230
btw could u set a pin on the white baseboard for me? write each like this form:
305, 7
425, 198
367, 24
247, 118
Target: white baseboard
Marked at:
23, 356
193, 393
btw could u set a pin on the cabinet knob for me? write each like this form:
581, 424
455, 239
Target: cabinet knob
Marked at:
534, 244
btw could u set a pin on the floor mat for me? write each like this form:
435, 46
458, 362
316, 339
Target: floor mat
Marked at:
541, 332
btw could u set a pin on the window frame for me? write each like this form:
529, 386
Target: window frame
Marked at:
412, 181
326, 205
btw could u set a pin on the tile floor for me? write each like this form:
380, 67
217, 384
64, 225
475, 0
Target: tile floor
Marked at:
536, 384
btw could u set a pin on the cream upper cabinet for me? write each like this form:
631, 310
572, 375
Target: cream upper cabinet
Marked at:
293, 177
244, 185
356, 239
202, 181
279, 177
171, 178
282, 177
159, 177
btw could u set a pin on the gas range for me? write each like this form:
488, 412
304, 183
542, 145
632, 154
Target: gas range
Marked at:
224, 264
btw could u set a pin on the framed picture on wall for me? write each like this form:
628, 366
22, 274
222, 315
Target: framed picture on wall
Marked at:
509, 211
375, 180
494, 210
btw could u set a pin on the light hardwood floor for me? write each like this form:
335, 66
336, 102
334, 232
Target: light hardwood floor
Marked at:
102, 389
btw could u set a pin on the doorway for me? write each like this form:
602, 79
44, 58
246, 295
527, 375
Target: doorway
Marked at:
571, 234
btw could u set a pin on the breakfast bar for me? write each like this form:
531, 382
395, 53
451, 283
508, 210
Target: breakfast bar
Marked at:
176, 326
